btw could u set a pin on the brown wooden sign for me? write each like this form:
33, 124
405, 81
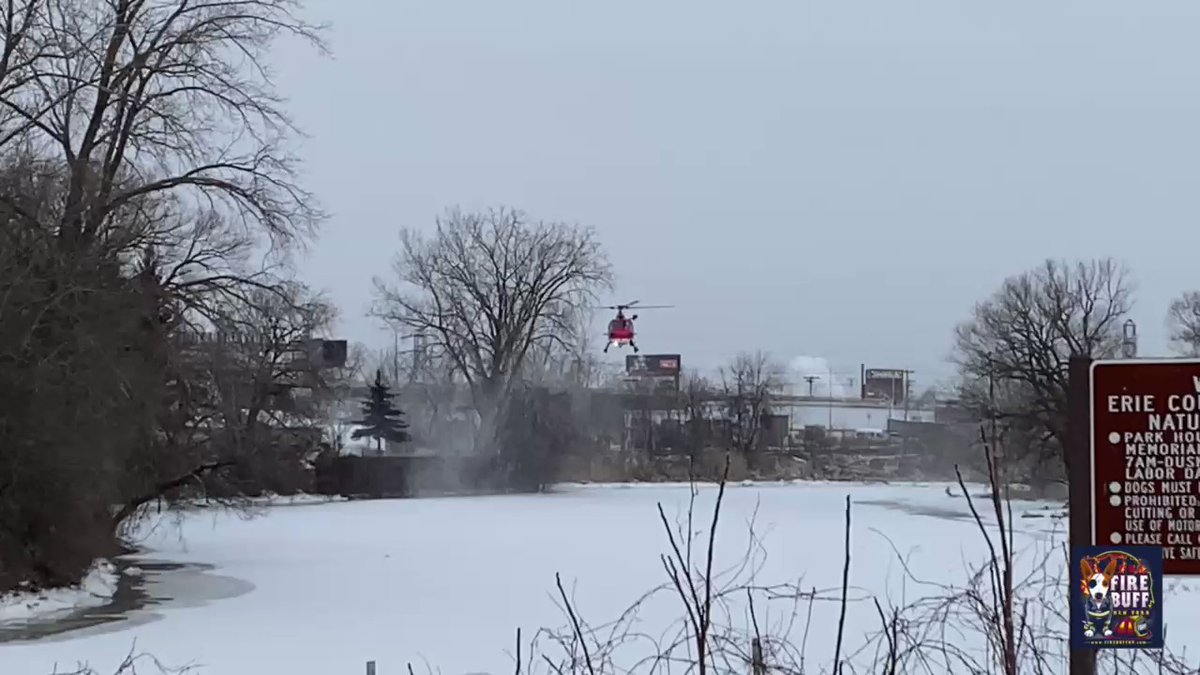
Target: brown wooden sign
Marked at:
1145, 456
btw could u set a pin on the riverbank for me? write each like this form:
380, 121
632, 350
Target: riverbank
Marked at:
96, 589
145, 588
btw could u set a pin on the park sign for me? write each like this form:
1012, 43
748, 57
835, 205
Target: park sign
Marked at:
1145, 457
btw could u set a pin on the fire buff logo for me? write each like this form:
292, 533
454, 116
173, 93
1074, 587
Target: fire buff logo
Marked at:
1119, 593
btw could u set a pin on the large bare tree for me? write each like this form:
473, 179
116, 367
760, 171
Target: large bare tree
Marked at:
129, 130
159, 105
1013, 353
747, 386
159, 126
1183, 324
489, 290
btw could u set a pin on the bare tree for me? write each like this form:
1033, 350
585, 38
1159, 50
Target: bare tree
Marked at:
747, 385
586, 369
247, 404
158, 105
131, 130
1183, 323
489, 290
571, 361
697, 395
1013, 353
155, 127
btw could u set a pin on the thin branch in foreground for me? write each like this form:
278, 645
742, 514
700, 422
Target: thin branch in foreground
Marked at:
841, 629
587, 657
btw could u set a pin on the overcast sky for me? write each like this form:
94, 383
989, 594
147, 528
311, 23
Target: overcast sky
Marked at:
761, 165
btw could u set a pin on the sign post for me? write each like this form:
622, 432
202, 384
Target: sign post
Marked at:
1079, 484
1133, 441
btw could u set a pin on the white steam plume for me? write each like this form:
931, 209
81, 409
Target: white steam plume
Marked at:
801, 367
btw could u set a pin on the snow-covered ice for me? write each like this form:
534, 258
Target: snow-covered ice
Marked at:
446, 582
95, 590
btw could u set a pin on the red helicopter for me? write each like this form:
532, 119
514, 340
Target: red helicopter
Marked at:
620, 329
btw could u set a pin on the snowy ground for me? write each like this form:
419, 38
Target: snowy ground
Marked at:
448, 581
95, 590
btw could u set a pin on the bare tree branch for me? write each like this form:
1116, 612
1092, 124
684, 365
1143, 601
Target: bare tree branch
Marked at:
1012, 354
1183, 323
748, 385
488, 291
141, 99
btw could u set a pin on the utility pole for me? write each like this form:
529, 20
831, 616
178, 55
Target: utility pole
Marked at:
831, 399
907, 390
418, 356
810, 379
891, 401
396, 358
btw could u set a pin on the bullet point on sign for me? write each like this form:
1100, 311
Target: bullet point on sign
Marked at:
1114, 487
1114, 500
1114, 437
1115, 537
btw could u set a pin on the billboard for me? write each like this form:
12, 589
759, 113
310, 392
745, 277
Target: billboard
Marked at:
885, 383
653, 365
328, 353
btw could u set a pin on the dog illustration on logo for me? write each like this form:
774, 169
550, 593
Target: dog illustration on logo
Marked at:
1097, 601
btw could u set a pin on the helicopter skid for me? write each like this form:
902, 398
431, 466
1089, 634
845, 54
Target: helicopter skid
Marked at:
620, 343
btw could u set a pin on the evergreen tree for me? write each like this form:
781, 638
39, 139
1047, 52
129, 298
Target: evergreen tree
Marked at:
381, 420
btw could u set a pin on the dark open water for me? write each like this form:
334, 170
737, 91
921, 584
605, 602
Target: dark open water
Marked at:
145, 586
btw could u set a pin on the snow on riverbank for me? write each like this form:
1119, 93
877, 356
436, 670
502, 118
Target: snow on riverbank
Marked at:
96, 589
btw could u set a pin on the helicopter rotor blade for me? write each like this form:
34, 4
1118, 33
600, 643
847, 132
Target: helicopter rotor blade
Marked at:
632, 305
627, 305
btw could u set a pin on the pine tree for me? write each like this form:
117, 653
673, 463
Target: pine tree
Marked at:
381, 420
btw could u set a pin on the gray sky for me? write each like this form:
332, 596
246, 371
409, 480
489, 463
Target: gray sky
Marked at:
765, 161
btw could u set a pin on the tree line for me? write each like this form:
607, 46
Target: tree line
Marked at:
473, 289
